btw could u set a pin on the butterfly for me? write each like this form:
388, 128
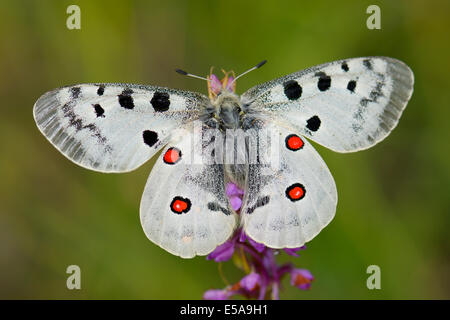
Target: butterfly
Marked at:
346, 106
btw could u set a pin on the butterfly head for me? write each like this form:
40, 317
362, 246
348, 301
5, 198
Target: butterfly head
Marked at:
227, 85
216, 86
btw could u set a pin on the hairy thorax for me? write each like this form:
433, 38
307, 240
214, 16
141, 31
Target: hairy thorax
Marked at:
227, 110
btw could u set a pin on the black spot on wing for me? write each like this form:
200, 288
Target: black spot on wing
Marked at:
368, 64
359, 114
206, 143
99, 111
101, 90
79, 125
125, 99
377, 92
150, 137
344, 66
75, 92
74, 121
351, 85
313, 123
214, 206
160, 101
324, 82
292, 90
356, 127
364, 101
262, 201
374, 95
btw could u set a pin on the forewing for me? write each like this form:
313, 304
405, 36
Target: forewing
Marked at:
113, 127
184, 208
346, 105
289, 197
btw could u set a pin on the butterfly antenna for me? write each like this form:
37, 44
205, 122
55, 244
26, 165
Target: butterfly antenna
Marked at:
184, 73
259, 65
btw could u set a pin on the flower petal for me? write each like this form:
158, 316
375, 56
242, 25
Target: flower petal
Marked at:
292, 251
223, 252
233, 190
216, 294
242, 236
216, 85
250, 281
235, 202
285, 268
301, 278
231, 85
258, 246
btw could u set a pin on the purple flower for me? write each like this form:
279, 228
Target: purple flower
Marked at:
250, 282
235, 195
258, 246
236, 203
263, 273
233, 190
215, 294
230, 84
293, 251
301, 278
223, 252
215, 84
248, 286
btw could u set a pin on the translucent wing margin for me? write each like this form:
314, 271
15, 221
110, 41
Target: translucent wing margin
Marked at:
113, 127
346, 105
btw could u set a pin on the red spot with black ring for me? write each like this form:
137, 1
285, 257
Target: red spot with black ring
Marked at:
294, 142
180, 205
295, 192
172, 155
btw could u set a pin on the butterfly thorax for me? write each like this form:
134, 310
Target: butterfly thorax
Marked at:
227, 110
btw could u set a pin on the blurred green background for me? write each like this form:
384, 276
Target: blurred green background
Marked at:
393, 208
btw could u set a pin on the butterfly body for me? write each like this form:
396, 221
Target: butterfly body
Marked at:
256, 141
228, 111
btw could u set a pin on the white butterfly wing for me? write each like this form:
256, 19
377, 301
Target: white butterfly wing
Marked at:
346, 105
184, 208
113, 127
288, 201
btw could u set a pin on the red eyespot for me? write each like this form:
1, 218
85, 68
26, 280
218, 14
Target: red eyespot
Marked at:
172, 156
180, 205
294, 142
295, 192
